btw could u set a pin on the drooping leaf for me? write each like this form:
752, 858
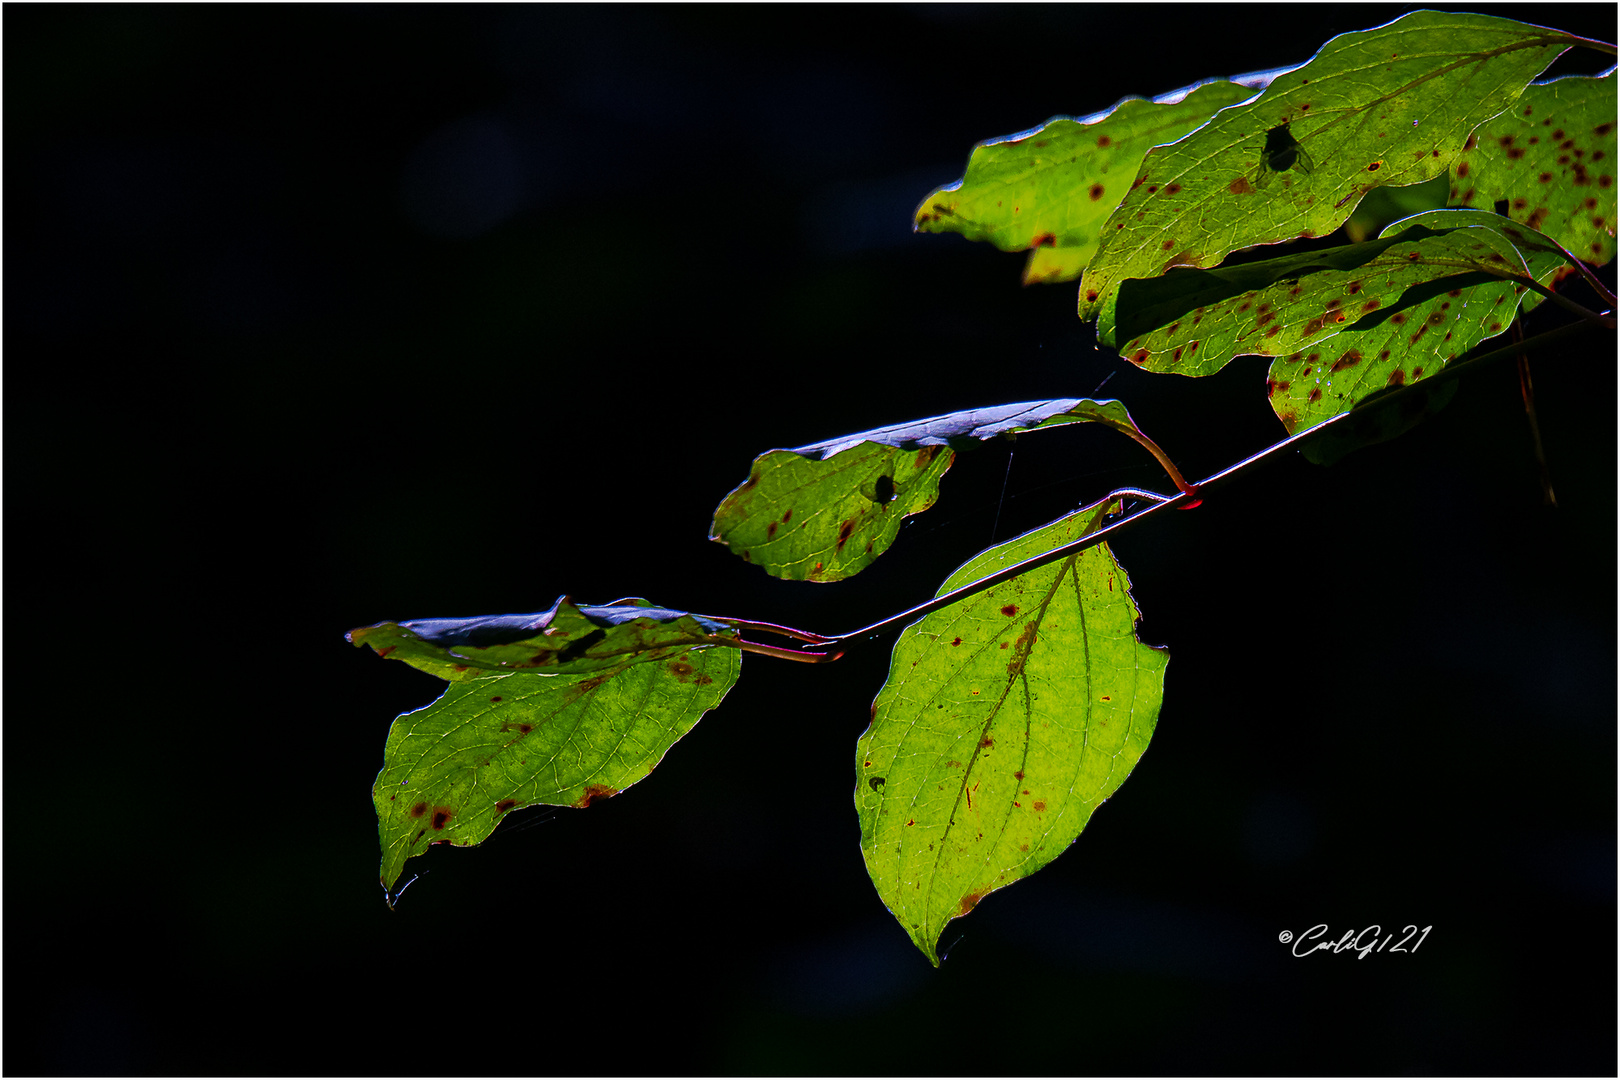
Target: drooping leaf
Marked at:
1391, 105
1006, 720
567, 638
1552, 160
1311, 298
1048, 190
1432, 324
496, 743
825, 512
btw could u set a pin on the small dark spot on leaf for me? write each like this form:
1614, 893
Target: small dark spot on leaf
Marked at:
1462, 168
770, 530
1315, 394
986, 742
1010, 610
1397, 377
1171, 189
504, 805
1104, 141
958, 641
1398, 317
1350, 359
1040, 806
441, 815
1096, 192
419, 809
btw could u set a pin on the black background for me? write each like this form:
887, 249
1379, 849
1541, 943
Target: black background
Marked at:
321, 316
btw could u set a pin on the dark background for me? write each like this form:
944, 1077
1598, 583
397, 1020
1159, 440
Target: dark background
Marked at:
322, 316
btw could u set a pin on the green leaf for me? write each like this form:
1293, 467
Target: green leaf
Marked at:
825, 512
1312, 298
1391, 105
497, 743
1007, 718
1192, 322
565, 639
1433, 323
1552, 159
1049, 189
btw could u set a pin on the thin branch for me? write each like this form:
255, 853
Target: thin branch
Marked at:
771, 628
801, 655
1606, 321
1527, 391
1164, 460
1186, 497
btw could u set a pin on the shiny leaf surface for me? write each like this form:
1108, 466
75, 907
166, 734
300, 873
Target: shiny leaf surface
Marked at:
825, 512
567, 638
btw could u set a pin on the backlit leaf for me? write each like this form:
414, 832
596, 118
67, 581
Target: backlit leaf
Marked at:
1552, 159
565, 639
1007, 718
1433, 324
1391, 105
1048, 190
825, 512
1306, 304
496, 743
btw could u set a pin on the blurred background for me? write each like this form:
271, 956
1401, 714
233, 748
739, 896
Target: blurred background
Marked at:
318, 316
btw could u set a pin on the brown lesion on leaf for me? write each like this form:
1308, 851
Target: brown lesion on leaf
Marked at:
970, 901
504, 805
594, 792
441, 817
1315, 395
1241, 186
419, 809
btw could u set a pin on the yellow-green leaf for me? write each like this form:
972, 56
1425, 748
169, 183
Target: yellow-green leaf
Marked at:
1391, 105
1048, 190
1006, 720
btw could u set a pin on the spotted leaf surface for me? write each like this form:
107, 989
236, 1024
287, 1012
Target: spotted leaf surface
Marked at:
826, 512
1049, 189
1392, 105
567, 638
1433, 324
1552, 160
1306, 306
1005, 722
497, 743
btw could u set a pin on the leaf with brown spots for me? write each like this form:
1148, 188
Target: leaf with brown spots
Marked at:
500, 742
1206, 317
1352, 106
1563, 129
825, 512
995, 753
567, 638
1454, 305
1049, 189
